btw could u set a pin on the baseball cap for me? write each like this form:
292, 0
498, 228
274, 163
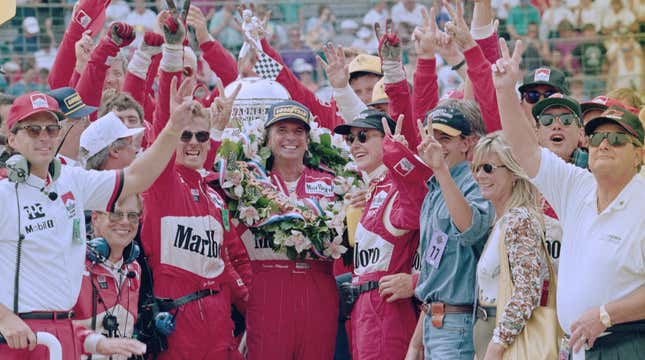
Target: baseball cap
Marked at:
449, 120
545, 76
378, 94
621, 116
32, 103
603, 102
300, 66
288, 110
365, 63
369, 119
70, 103
30, 24
558, 99
103, 132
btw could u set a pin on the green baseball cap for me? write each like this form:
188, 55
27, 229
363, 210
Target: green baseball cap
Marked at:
558, 99
545, 76
621, 116
369, 119
288, 110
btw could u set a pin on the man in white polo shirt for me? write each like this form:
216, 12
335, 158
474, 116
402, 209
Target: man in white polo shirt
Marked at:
601, 292
42, 227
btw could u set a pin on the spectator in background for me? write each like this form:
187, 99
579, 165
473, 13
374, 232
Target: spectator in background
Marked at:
320, 30
520, 17
535, 51
588, 13
47, 53
116, 11
366, 41
142, 19
627, 96
377, 14
28, 41
225, 29
618, 19
292, 12
502, 8
347, 35
626, 62
407, 11
305, 73
555, 14
296, 48
590, 58
564, 45
28, 82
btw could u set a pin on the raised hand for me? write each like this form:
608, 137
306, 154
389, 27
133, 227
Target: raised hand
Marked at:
389, 45
396, 137
85, 12
151, 43
181, 103
173, 29
83, 49
197, 21
506, 70
457, 27
121, 34
336, 67
425, 37
430, 150
220, 110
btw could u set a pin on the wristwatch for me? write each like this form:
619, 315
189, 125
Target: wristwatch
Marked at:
604, 317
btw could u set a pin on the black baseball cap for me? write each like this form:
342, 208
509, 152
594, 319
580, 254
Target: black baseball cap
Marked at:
449, 120
288, 110
369, 119
546, 76
621, 116
70, 103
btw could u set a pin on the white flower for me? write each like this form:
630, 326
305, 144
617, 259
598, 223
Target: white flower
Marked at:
342, 185
334, 249
234, 180
315, 132
337, 223
338, 141
250, 149
298, 240
249, 215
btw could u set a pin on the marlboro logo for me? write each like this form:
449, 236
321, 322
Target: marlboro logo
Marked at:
613, 114
602, 100
38, 101
542, 74
404, 167
82, 18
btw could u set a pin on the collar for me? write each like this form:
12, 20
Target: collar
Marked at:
375, 174
189, 175
623, 198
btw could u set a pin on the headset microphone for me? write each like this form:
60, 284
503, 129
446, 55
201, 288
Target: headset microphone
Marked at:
131, 274
50, 194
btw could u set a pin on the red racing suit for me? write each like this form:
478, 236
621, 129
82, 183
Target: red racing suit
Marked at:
387, 238
293, 305
105, 293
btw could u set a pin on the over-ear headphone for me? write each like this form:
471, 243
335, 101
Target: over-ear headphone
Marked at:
98, 251
18, 169
580, 158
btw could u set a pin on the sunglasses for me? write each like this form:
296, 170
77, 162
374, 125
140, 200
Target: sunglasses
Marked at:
362, 137
34, 130
533, 96
488, 168
200, 136
115, 216
565, 119
613, 138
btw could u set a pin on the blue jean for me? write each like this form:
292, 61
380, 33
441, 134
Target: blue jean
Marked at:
454, 341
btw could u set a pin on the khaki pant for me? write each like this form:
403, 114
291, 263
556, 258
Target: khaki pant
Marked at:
482, 334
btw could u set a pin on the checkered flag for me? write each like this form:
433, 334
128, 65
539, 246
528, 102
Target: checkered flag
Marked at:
267, 67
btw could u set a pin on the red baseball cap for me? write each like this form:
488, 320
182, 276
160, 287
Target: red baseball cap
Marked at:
32, 103
603, 103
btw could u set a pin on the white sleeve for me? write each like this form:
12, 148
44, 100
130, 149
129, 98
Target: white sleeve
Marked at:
560, 182
99, 189
349, 104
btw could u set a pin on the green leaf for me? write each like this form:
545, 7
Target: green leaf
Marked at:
325, 139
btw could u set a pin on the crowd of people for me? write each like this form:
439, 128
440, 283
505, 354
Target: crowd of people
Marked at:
142, 217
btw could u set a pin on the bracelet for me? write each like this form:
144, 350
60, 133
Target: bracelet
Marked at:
458, 66
604, 317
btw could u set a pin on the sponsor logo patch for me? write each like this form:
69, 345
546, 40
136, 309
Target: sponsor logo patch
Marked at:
38, 101
542, 74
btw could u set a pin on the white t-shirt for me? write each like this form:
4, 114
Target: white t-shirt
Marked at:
401, 14
53, 250
488, 269
374, 16
603, 255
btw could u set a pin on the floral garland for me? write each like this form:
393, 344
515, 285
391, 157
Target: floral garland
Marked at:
300, 228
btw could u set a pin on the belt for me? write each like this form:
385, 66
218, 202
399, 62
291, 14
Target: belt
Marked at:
47, 315
448, 309
300, 266
485, 312
193, 296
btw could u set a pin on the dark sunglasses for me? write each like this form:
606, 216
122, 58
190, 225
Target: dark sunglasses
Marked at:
488, 168
115, 216
34, 130
613, 138
533, 96
565, 119
362, 137
201, 136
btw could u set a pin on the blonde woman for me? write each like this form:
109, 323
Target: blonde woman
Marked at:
513, 272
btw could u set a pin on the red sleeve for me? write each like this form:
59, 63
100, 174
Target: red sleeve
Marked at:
149, 103
415, 280
490, 48
409, 175
481, 78
326, 114
90, 85
65, 60
136, 87
426, 91
212, 154
73, 81
400, 103
220, 61
162, 110
239, 257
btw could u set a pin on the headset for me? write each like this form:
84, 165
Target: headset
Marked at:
580, 158
18, 170
98, 251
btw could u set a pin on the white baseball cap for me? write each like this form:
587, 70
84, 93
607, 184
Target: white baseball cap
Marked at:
103, 132
31, 25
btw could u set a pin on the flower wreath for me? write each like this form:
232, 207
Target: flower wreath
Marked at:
296, 227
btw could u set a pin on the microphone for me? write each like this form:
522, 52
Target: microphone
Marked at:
50, 194
131, 274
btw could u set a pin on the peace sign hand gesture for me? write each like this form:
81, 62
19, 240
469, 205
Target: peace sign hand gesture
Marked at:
389, 47
220, 110
506, 70
457, 27
397, 137
425, 37
181, 103
429, 149
336, 67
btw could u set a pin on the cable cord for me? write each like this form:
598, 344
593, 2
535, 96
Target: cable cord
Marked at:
21, 237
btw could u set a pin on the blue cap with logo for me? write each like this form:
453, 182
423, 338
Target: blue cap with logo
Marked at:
70, 103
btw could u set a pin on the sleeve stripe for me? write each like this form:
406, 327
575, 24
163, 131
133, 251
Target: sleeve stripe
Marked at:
118, 187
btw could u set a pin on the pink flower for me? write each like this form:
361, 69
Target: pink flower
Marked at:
234, 180
249, 215
334, 249
298, 240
